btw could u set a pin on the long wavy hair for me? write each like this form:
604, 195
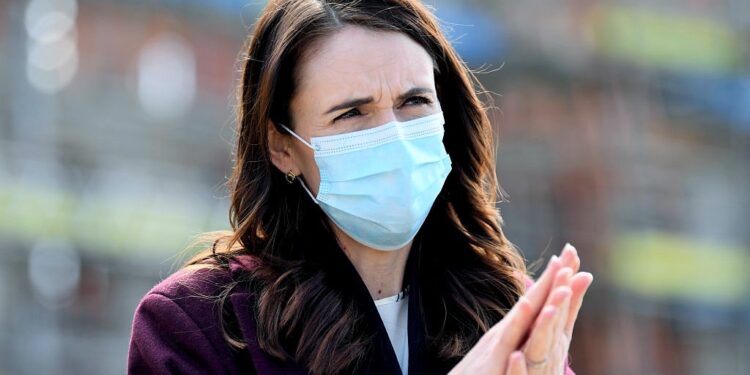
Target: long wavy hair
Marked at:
471, 268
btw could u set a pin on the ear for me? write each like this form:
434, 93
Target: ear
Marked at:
280, 150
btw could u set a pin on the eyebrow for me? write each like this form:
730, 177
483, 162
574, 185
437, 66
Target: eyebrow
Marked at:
361, 101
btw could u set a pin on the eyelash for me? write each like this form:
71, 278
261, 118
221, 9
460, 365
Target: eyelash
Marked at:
421, 100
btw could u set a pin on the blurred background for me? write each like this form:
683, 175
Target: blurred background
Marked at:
624, 129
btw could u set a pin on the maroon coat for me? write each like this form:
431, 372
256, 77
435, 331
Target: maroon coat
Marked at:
176, 332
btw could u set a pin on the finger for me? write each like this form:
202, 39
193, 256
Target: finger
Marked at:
537, 294
569, 257
579, 284
539, 343
561, 318
513, 327
562, 278
541, 337
505, 336
516, 364
559, 343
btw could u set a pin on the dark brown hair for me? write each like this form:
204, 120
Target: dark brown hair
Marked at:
468, 263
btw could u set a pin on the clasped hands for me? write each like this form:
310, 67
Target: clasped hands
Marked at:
534, 336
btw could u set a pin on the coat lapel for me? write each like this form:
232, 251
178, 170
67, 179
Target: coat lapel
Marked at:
422, 361
382, 358
417, 343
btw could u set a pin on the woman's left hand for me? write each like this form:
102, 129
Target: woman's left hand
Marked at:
546, 349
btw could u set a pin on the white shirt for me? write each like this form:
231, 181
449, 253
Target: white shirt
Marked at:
394, 311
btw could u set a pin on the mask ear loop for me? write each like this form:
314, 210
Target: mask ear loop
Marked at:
308, 145
308, 191
297, 136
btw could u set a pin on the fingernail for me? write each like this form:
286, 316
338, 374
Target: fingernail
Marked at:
550, 310
567, 292
565, 273
554, 259
568, 247
591, 276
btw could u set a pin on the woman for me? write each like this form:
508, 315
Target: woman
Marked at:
365, 234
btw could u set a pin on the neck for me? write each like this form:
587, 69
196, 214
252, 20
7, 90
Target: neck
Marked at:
381, 271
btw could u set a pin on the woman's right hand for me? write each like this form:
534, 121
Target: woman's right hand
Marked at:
491, 354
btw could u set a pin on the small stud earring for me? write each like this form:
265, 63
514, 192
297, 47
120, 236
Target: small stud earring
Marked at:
290, 177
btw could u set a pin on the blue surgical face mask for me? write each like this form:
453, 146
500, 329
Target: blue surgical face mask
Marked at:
379, 184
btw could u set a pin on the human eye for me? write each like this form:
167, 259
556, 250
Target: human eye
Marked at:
348, 114
418, 100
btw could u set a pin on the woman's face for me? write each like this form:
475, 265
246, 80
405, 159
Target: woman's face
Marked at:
355, 79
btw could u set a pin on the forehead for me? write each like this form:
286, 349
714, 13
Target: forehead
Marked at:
356, 61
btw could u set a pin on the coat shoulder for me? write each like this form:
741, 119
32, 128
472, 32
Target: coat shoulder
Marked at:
188, 282
198, 289
203, 279
177, 324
